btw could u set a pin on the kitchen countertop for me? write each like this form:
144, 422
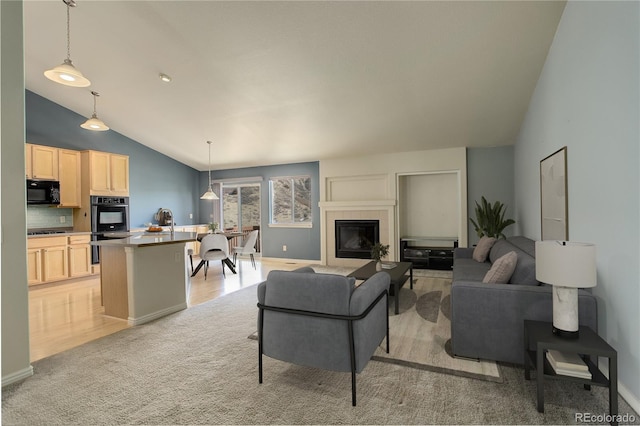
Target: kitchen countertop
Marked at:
148, 239
58, 234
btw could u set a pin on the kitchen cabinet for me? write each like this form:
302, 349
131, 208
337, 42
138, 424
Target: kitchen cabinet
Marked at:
58, 258
47, 259
69, 173
34, 266
79, 256
107, 173
42, 162
54, 263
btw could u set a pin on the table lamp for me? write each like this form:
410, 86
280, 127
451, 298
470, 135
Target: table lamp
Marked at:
567, 266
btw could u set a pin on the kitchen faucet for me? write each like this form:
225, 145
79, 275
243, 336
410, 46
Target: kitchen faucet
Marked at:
170, 215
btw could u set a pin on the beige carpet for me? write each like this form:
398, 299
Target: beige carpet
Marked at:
198, 367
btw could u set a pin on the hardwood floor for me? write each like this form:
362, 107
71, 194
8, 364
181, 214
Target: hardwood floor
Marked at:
68, 314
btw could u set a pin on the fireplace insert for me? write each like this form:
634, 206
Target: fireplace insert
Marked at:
354, 238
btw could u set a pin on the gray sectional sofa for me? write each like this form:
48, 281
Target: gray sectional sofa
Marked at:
487, 320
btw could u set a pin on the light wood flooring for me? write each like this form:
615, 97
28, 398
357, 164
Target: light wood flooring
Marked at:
68, 314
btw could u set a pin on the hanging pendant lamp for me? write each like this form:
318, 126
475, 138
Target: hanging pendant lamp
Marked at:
209, 195
66, 73
94, 123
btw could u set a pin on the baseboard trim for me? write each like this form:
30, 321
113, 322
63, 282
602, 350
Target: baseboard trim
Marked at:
17, 376
623, 391
158, 314
631, 399
296, 261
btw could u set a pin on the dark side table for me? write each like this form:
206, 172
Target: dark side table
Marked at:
538, 338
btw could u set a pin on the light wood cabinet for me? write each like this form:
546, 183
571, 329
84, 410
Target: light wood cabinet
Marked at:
119, 174
55, 263
108, 173
28, 150
34, 266
46, 259
42, 162
79, 256
69, 172
58, 258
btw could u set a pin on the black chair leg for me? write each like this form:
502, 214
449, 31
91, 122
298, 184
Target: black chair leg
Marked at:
253, 261
223, 274
206, 268
191, 261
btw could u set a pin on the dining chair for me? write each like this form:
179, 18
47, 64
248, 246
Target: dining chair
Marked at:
248, 247
214, 247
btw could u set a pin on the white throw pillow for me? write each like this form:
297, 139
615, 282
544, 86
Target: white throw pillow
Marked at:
481, 251
502, 269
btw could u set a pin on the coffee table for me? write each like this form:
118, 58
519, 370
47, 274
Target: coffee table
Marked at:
397, 274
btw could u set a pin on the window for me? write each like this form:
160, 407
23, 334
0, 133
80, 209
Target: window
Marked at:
290, 199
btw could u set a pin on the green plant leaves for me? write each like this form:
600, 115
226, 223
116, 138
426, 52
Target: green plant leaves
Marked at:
490, 219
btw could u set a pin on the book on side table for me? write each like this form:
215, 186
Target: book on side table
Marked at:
568, 364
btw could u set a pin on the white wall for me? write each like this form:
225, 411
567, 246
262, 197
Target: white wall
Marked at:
15, 317
429, 204
372, 181
587, 98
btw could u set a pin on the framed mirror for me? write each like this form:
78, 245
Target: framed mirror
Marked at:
553, 196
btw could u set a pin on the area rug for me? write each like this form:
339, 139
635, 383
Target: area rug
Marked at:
420, 335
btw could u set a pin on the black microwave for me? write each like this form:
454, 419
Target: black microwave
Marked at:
43, 192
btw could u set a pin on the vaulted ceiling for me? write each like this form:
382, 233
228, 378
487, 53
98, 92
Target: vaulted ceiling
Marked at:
279, 82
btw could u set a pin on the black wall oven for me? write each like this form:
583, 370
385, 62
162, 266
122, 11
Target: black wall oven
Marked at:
108, 214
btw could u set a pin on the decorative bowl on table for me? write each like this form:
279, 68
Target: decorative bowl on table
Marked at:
154, 229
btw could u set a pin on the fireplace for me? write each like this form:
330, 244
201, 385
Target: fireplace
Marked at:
354, 238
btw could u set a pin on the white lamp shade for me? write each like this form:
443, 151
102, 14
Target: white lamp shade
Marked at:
67, 74
95, 124
209, 195
566, 264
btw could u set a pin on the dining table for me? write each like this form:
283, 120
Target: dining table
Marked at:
230, 235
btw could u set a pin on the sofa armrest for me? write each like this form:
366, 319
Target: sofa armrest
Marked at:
367, 292
487, 320
463, 252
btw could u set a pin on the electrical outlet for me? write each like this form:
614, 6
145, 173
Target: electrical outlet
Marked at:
284, 248
63, 219
190, 215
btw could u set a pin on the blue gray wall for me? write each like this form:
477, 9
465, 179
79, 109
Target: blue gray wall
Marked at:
588, 98
155, 180
159, 181
490, 174
302, 243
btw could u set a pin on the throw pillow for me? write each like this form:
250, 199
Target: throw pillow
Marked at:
502, 269
481, 251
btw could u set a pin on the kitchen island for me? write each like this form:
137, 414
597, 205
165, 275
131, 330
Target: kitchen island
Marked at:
144, 277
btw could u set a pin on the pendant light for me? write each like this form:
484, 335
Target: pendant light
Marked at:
94, 123
66, 73
209, 195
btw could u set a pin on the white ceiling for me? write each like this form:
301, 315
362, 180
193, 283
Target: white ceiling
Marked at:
280, 82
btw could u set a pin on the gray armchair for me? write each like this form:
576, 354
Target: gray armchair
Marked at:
322, 320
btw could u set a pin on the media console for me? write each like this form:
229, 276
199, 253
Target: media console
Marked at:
428, 252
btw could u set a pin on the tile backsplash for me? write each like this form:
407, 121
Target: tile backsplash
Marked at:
49, 217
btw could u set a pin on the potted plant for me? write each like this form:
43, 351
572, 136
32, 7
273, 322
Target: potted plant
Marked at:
490, 219
213, 226
379, 251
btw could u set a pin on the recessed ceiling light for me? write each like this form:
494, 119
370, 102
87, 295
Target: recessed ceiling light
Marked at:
165, 78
